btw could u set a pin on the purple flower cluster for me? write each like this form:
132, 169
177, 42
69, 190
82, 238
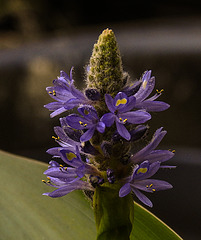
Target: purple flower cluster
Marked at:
96, 142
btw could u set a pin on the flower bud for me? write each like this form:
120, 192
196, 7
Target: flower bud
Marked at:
105, 70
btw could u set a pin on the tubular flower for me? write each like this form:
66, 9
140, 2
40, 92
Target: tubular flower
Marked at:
65, 94
149, 153
89, 121
140, 181
120, 113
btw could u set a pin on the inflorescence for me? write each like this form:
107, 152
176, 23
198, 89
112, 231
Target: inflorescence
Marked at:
97, 142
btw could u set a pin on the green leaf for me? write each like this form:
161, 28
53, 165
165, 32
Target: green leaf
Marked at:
27, 215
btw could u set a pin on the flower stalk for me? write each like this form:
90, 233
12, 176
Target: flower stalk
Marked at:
97, 144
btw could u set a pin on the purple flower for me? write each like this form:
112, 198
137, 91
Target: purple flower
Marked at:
74, 159
67, 138
65, 94
149, 153
64, 179
89, 121
140, 181
147, 86
120, 113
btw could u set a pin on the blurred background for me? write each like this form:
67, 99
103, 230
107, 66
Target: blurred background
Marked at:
38, 38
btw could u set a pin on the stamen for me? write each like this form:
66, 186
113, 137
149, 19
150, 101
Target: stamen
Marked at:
159, 92
173, 151
123, 120
82, 124
43, 181
53, 92
55, 138
153, 189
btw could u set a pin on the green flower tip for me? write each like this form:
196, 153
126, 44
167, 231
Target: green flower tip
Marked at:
105, 71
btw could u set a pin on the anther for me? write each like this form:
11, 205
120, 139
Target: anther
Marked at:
53, 92
55, 138
159, 92
43, 181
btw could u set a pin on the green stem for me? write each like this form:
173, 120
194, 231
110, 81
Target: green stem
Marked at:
113, 215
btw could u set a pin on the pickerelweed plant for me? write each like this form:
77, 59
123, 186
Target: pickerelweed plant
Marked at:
97, 143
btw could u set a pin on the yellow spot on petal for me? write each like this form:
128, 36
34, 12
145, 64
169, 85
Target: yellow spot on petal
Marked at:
121, 101
142, 170
144, 84
70, 156
86, 112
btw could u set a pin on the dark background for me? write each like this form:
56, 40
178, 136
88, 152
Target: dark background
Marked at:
39, 38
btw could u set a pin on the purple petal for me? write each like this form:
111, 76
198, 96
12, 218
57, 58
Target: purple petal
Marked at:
88, 112
88, 134
100, 127
76, 93
135, 117
60, 94
153, 106
110, 103
62, 191
70, 158
128, 106
142, 197
77, 122
120, 101
108, 119
54, 151
146, 87
159, 155
73, 102
151, 170
158, 136
125, 190
152, 185
58, 172
123, 131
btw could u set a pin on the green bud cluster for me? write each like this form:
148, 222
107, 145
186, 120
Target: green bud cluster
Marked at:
105, 68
